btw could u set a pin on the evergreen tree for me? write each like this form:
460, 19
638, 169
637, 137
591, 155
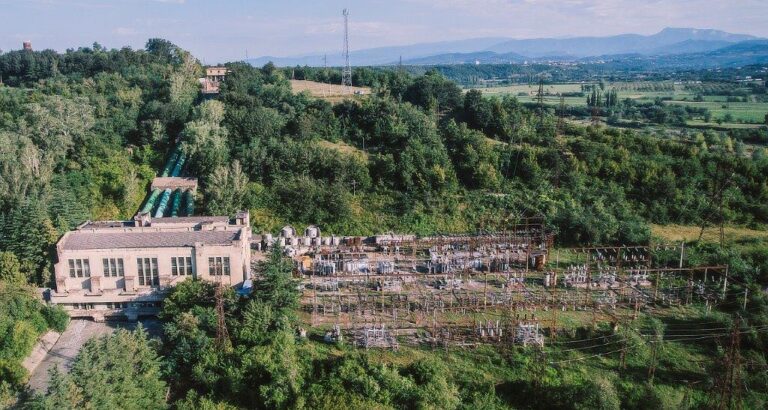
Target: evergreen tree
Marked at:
117, 371
10, 269
62, 394
277, 288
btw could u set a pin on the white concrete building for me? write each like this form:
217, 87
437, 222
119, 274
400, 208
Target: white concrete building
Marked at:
126, 267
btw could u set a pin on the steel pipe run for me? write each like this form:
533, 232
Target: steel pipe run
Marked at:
163, 204
189, 203
150, 204
170, 164
179, 165
175, 202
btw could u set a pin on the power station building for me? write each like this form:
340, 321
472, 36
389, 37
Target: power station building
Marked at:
125, 268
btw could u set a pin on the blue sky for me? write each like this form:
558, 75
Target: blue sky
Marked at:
217, 31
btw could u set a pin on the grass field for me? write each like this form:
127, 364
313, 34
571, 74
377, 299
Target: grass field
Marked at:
749, 112
677, 233
745, 114
344, 148
330, 92
723, 126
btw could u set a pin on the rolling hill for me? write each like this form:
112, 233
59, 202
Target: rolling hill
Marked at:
669, 41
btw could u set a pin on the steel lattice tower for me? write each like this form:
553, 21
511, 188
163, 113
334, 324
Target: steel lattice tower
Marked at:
346, 74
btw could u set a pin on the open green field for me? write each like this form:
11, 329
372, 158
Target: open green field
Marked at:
748, 112
744, 114
722, 126
527, 93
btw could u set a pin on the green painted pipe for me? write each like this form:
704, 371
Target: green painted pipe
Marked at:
175, 203
150, 201
171, 162
163, 204
179, 166
189, 203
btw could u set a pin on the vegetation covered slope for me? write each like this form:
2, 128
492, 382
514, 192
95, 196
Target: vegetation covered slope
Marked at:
439, 160
85, 129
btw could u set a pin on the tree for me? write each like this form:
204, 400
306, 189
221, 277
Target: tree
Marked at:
205, 140
435, 389
473, 157
62, 393
29, 233
279, 366
164, 50
477, 110
433, 91
312, 200
226, 189
277, 287
117, 371
10, 269
193, 401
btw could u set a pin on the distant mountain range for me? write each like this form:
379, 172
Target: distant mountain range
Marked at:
663, 45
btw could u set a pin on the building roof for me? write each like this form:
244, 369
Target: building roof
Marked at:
189, 219
83, 240
174, 183
192, 221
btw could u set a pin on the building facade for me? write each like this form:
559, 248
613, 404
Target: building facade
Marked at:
125, 268
214, 76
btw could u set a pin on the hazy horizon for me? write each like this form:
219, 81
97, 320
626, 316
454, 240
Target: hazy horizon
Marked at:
224, 30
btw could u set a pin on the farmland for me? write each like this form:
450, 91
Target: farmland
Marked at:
730, 105
330, 92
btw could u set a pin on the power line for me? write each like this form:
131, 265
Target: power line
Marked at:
710, 336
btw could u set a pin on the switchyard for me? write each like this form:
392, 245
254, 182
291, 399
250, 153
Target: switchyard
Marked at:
508, 287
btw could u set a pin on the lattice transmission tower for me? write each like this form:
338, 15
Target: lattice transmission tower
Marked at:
346, 73
222, 335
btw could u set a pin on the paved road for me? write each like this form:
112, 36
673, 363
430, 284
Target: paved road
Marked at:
66, 348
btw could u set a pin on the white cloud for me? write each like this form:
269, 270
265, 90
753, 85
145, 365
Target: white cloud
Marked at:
125, 31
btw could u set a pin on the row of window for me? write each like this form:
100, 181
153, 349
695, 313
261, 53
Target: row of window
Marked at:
218, 266
147, 268
113, 267
79, 268
181, 266
115, 305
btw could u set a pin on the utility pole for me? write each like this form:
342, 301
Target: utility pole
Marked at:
730, 385
346, 73
540, 103
654, 359
682, 253
222, 335
560, 116
746, 294
325, 73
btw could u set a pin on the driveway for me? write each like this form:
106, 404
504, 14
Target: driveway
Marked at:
74, 337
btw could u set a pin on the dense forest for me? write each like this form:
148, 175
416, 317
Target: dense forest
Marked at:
84, 131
